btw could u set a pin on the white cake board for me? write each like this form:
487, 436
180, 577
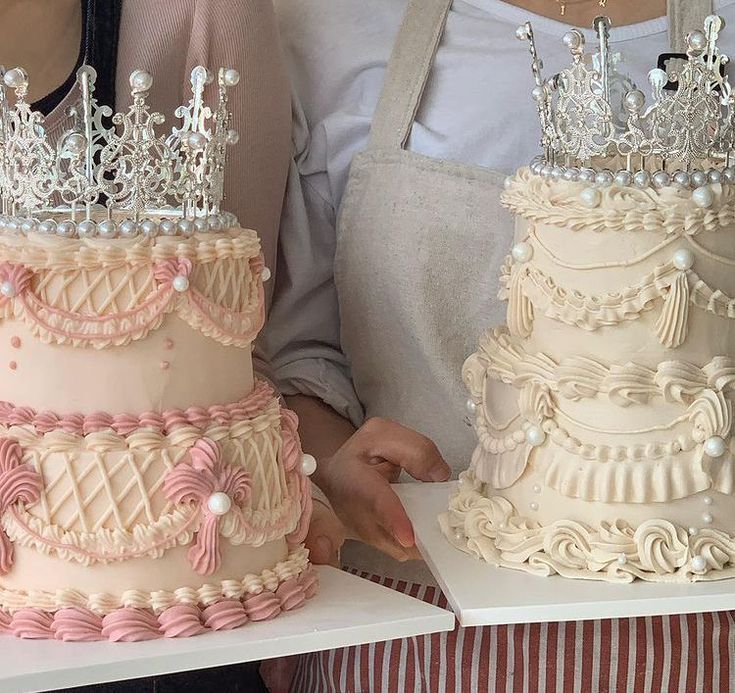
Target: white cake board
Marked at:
347, 611
481, 594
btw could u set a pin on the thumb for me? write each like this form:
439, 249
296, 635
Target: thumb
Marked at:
326, 536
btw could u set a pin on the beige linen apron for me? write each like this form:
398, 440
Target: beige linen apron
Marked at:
420, 244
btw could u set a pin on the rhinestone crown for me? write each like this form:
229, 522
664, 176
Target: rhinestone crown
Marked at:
113, 175
596, 125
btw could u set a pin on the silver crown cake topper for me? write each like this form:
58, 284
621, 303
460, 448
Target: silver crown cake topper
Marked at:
597, 128
113, 175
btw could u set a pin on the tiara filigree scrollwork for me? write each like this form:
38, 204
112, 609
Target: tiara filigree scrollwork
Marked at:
597, 128
111, 174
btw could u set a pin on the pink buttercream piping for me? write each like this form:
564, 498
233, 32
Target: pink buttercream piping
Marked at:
77, 625
194, 481
124, 424
128, 624
291, 459
18, 483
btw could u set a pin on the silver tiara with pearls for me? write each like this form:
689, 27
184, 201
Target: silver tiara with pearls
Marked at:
111, 174
597, 127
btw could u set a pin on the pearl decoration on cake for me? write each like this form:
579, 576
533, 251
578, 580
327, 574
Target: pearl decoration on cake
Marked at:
693, 531
149, 228
535, 435
458, 536
536, 488
67, 229
47, 227
107, 229
29, 226
471, 407
590, 197
707, 518
128, 228
201, 225
714, 175
308, 464
7, 289
522, 252
681, 178
86, 229
533, 505
703, 196
587, 175
707, 500
185, 227
266, 274
180, 283
604, 177
642, 179
168, 227
715, 446
623, 178
683, 259
699, 563
232, 77
219, 503
141, 81
698, 178
622, 559
661, 179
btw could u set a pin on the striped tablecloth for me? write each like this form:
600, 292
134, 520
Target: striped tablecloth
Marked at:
687, 654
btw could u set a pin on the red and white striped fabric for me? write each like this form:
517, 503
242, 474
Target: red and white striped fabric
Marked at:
683, 654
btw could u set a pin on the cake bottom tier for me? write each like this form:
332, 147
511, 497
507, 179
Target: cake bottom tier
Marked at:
135, 615
687, 540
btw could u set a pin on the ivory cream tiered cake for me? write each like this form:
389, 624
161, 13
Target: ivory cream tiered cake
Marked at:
604, 408
150, 485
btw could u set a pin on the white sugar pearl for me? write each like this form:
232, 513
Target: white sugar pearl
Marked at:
707, 500
698, 178
47, 227
682, 179
703, 196
587, 175
683, 259
141, 80
533, 505
557, 172
590, 197
642, 179
571, 174
233, 137
714, 175
168, 227
458, 536
29, 226
75, 143
149, 228
471, 407
180, 283
536, 488
699, 563
201, 225
622, 559
623, 178
266, 274
308, 464
128, 228
107, 228
196, 140
219, 503
185, 227
7, 289
87, 229
535, 435
693, 531
15, 78
67, 229
707, 518
604, 178
12, 225
232, 77
522, 252
715, 447
214, 222
661, 179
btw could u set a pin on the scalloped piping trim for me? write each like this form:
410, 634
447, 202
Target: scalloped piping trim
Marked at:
490, 529
578, 377
130, 624
591, 312
621, 209
54, 325
54, 253
260, 399
176, 528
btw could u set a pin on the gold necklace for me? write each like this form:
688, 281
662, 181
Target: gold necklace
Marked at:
563, 5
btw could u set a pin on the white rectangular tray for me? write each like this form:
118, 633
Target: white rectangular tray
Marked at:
347, 611
481, 594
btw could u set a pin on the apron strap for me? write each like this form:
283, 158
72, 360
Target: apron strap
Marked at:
408, 72
685, 16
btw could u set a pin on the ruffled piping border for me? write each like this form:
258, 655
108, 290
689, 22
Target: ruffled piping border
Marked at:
286, 588
490, 529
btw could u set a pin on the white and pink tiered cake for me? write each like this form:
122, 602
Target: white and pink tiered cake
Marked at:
150, 485
604, 408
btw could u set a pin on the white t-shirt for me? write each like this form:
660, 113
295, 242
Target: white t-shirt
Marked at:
477, 109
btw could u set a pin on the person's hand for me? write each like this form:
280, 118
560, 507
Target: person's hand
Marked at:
357, 479
326, 535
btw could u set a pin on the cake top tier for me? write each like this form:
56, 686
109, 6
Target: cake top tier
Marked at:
115, 175
596, 125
